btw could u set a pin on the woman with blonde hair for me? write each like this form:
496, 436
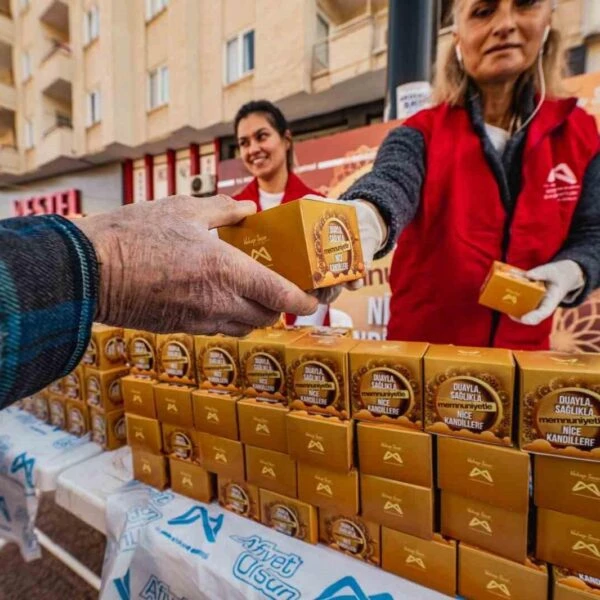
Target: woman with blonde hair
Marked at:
500, 168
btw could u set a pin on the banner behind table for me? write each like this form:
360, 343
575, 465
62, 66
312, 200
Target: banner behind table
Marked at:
332, 163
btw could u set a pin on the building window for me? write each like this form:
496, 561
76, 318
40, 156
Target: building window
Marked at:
158, 87
25, 66
94, 109
239, 56
322, 43
91, 25
28, 134
155, 7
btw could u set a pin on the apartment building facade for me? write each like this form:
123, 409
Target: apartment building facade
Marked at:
111, 101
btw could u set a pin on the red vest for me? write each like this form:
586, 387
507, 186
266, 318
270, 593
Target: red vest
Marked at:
294, 188
461, 226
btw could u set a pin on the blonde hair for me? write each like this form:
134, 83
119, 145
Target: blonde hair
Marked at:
451, 80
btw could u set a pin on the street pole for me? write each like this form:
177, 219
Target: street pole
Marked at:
412, 39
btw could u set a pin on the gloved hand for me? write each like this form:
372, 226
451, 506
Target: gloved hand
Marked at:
162, 270
373, 234
563, 278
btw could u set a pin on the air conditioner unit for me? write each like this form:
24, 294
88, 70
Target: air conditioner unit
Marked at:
204, 184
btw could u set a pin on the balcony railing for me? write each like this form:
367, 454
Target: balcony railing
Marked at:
56, 72
57, 142
55, 46
60, 121
8, 96
7, 29
10, 161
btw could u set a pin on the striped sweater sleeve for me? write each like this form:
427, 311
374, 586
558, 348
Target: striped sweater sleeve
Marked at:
48, 293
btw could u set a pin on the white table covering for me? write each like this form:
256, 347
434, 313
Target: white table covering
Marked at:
84, 489
32, 455
162, 545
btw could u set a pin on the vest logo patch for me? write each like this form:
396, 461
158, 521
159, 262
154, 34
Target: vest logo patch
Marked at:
562, 184
562, 172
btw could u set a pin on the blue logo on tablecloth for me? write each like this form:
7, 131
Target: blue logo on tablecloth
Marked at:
155, 589
347, 588
137, 517
266, 568
161, 498
123, 587
210, 525
141, 515
21, 462
67, 441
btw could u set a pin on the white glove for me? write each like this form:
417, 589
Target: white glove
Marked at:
564, 280
373, 236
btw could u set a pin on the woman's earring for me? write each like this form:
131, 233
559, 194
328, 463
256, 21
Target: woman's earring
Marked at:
459, 57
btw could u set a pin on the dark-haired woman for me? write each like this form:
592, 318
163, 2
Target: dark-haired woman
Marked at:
265, 144
266, 149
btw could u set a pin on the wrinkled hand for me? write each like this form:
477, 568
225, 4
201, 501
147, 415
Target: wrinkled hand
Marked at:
562, 278
162, 270
373, 234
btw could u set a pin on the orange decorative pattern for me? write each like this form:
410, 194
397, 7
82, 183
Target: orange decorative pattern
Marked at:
578, 329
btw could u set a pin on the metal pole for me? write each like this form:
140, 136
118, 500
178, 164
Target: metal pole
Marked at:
412, 35
69, 560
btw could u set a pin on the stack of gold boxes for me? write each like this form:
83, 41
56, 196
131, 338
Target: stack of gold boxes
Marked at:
50, 404
484, 481
89, 398
560, 408
101, 412
396, 462
403, 455
65, 397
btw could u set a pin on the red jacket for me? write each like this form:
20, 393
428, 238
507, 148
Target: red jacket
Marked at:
294, 188
461, 226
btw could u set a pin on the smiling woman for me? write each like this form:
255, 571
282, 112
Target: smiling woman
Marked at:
499, 169
266, 149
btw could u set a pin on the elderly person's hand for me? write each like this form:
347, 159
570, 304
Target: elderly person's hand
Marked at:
162, 270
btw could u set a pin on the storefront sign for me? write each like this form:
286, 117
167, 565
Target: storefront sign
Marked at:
66, 203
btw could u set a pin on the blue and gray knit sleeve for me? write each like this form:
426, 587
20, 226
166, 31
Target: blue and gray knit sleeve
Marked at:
48, 292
